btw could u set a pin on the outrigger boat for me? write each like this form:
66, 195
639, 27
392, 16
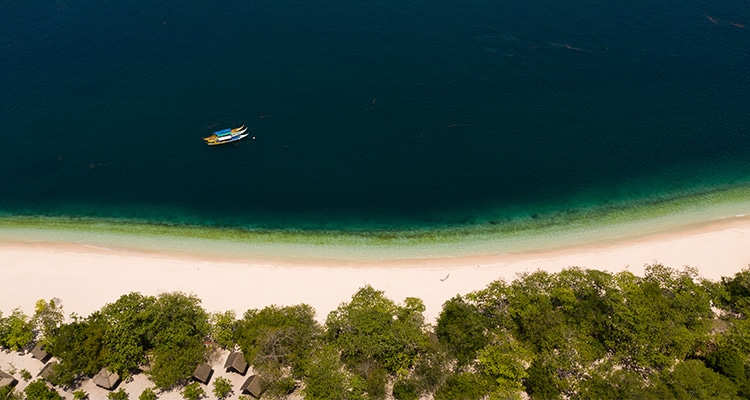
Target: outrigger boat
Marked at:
227, 136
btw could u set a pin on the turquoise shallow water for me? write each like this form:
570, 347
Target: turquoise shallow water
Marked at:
370, 116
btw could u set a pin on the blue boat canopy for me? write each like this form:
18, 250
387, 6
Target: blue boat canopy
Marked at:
223, 132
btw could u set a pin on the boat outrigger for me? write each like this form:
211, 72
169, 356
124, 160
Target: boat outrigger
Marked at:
227, 136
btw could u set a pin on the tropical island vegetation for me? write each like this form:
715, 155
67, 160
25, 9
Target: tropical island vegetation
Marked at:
584, 334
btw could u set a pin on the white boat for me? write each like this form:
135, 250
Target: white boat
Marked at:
227, 136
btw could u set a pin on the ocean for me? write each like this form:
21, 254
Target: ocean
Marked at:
370, 116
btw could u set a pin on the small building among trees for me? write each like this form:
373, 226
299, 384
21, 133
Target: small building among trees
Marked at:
254, 386
40, 353
7, 379
107, 379
236, 362
47, 371
203, 373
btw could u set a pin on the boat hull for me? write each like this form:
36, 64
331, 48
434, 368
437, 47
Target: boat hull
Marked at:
232, 140
227, 136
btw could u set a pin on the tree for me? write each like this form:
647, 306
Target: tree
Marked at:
25, 375
9, 393
127, 333
147, 394
79, 346
506, 362
609, 383
120, 394
464, 386
373, 328
177, 328
80, 395
16, 331
691, 380
737, 289
48, 316
325, 377
462, 329
278, 342
223, 328
193, 391
38, 390
665, 317
222, 388
727, 361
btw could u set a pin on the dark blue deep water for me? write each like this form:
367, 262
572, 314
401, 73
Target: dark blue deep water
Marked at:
368, 114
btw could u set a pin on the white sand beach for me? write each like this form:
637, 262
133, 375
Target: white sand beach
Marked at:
86, 277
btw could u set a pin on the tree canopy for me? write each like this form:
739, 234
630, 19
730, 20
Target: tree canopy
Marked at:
574, 334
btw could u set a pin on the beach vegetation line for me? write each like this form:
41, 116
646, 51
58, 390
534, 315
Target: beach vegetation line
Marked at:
579, 333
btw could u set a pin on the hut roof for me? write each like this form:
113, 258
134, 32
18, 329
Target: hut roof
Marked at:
254, 386
236, 361
40, 353
47, 370
106, 379
203, 373
7, 379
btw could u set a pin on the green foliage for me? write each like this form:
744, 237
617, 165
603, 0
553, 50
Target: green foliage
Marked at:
222, 388
79, 347
147, 394
464, 386
170, 328
278, 342
737, 291
178, 329
48, 316
665, 317
617, 384
373, 328
728, 362
462, 329
691, 380
575, 334
325, 377
120, 394
9, 393
542, 382
80, 395
430, 369
506, 362
406, 389
25, 375
38, 390
126, 337
193, 391
277, 337
223, 328
16, 331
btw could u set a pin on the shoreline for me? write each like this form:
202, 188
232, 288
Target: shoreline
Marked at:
553, 231
74, 271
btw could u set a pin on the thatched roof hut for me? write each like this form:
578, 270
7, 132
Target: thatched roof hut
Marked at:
203, 373
254, 386
40, 353
47, 370
7, 379
236, 362
106, 379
